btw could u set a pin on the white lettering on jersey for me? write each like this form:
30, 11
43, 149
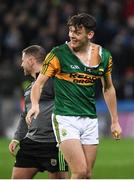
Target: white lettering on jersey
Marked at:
74, 67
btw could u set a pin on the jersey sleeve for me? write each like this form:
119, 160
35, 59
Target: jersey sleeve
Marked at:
51, 65
109, 66
22, 128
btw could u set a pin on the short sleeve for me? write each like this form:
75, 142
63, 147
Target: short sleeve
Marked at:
109, 66
51, 65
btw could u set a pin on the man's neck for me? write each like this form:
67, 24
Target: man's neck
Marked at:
36, 71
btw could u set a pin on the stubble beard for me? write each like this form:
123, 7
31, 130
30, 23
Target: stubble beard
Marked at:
79, 47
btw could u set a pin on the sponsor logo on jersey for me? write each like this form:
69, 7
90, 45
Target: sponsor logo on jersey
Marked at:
27, 93
81, 78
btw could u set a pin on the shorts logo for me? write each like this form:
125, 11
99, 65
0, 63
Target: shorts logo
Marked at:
53, 162
64, 132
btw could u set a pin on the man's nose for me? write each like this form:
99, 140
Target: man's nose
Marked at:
21, 65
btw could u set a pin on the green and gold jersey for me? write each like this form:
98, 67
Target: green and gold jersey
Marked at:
75, 82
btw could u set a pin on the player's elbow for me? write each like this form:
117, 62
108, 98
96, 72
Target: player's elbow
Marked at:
108, 88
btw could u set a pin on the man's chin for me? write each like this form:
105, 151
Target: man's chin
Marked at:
26, 73
73, 46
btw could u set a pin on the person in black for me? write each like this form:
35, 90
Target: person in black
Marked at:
37, 143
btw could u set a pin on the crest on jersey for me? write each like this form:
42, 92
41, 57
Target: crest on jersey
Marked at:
101, 71
64, 132
53, 162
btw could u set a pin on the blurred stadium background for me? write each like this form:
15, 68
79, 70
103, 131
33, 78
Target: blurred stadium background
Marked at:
43, 22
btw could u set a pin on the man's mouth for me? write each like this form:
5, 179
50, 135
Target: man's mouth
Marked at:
74, 41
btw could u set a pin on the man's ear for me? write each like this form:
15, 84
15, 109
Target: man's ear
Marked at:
90, 35
32, 61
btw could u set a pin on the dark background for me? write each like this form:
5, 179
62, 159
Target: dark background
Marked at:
43, 22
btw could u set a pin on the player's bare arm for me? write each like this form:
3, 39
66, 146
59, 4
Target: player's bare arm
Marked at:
35, 96
110, 99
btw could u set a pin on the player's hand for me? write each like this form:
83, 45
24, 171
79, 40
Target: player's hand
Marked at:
32, 113
116, 131
12, 146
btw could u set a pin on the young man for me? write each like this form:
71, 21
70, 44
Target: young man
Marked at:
76, 66
38, 151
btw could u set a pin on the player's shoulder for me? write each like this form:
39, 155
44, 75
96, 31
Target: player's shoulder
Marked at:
106, 52
106, 56
59, 48
56, 51
101, 49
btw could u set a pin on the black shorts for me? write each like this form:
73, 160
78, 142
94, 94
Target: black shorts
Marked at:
43, 156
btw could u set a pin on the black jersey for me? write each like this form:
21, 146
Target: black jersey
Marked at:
41, 128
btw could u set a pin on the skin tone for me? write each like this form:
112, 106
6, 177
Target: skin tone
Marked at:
80, 43
30, 67
74, 152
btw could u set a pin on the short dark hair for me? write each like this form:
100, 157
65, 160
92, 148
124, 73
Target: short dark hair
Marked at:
37, 51
83, 19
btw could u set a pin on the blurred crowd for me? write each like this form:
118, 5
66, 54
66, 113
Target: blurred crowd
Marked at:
43, 22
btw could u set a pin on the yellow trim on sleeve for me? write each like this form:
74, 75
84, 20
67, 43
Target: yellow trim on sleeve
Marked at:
109, 67
51, 65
